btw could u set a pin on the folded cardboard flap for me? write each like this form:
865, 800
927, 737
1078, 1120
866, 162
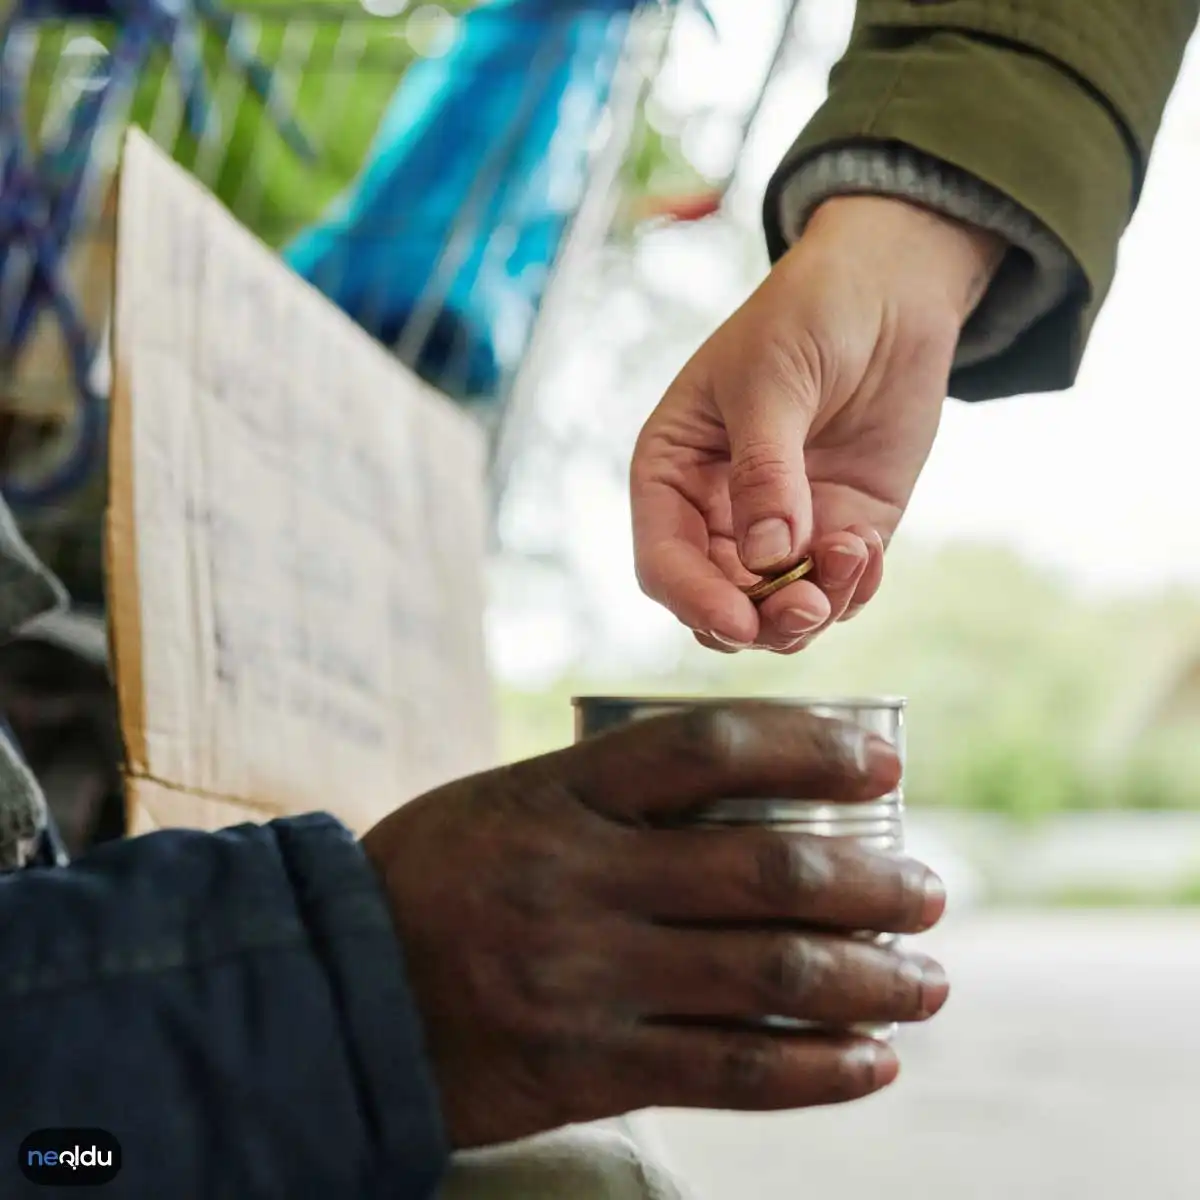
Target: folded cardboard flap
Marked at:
295, 537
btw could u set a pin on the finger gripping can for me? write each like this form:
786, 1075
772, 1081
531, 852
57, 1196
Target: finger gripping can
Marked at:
878, 825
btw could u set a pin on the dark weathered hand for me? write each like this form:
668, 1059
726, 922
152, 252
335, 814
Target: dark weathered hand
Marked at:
574, 957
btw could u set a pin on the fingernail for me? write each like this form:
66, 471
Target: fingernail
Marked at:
877, 1061
933, 904
929, 977
716, 637
840, 564
796, 622
767, 544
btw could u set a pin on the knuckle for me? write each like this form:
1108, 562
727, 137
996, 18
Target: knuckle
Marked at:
852, 1077
906, 978
647, 576
836, 745
792, 871
711, 735
750, 1066
910, 885
792, 971
557, 982
542, 973
758, 465
533, 798
536, 886
545, 789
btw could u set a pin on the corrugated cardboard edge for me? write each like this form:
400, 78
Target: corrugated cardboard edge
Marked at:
145, 797
120, 548
143, 793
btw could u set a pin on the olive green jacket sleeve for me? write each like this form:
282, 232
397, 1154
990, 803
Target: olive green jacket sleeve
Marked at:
1051, 104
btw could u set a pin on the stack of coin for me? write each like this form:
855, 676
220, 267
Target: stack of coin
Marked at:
878, 825
769, 585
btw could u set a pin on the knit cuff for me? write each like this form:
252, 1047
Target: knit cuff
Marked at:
1035, 277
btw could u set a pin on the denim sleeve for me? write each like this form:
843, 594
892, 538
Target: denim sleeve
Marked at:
232, 1007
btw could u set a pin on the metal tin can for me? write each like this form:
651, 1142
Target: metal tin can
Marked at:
878, 825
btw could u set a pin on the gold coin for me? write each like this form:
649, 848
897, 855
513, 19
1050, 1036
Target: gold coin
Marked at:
758, 592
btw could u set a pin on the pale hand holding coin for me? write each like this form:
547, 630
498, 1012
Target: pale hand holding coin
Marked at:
801, 426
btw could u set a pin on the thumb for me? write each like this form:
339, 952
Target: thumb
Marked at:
768, 488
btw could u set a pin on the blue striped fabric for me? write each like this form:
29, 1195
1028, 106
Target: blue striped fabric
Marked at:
44, 195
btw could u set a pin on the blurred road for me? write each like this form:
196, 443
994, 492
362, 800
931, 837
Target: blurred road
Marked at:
1066, 1066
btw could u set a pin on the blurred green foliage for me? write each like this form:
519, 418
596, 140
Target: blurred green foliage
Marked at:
656, 166
1180, 895
1026, 698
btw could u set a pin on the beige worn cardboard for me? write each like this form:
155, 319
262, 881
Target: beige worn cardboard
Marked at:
295, 537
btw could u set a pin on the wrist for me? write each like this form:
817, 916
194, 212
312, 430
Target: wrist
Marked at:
957, 259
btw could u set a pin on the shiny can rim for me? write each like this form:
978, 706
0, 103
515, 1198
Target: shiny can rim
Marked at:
891, 703
753, 809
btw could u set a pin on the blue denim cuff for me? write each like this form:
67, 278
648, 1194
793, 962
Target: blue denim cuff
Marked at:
341, 899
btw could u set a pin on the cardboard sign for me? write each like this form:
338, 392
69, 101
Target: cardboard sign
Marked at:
295, 537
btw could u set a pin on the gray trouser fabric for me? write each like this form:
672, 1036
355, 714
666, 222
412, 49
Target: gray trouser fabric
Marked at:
581, 1163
